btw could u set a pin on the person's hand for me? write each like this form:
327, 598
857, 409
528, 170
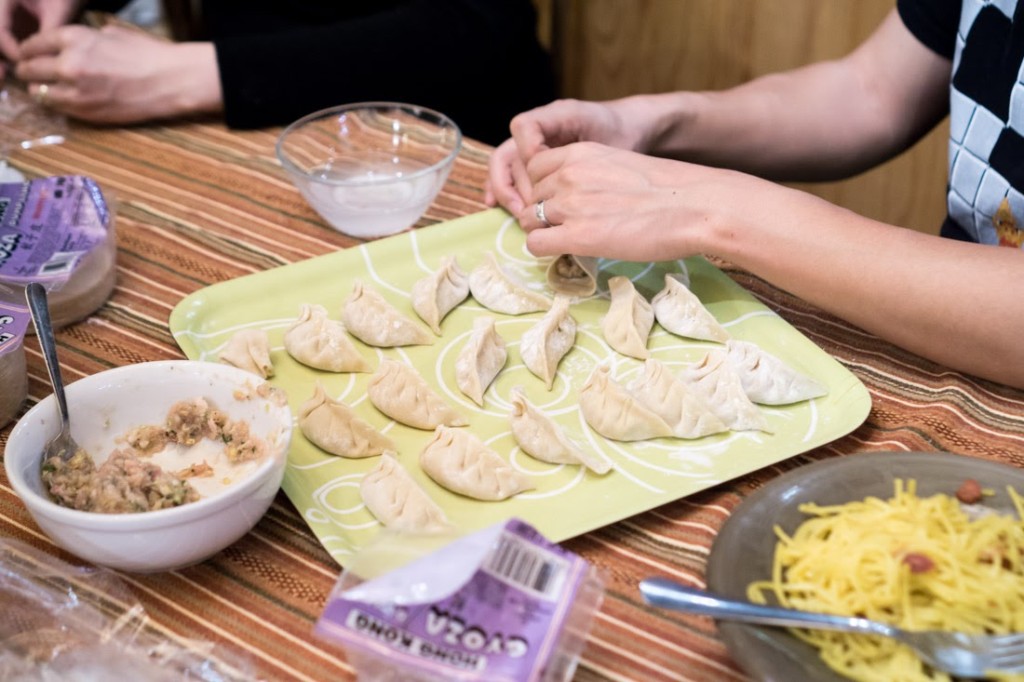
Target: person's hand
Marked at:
21, 18
119, 75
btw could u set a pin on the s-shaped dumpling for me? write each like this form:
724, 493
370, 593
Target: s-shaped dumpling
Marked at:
437, 294
370, 318
397, 390
462, 463
679, 311
715, 380
546, 343
767, 379
541, 438
629, 319
573, 275
614, 413
480, 359
334, 427
321, 343
397, 501
497, 290
249, 349
673, 401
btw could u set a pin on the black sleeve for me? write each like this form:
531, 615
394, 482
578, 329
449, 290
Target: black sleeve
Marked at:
478, 61
933, 22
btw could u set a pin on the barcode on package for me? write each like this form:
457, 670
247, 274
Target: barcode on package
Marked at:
59, 263
527, 566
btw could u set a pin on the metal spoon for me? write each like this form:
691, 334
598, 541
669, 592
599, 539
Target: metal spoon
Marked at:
62, 445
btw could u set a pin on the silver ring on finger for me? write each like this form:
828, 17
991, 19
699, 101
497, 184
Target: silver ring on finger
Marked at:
538, 211
42, 93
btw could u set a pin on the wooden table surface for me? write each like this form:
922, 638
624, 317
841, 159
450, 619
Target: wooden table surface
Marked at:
198, 204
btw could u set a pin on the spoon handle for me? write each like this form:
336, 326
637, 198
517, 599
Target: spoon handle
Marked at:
36, 295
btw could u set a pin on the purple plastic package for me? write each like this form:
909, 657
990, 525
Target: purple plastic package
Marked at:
502, 604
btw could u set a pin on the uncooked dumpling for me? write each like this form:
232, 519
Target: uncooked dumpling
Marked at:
370, 318
573, 275
767, 379
541, 438
614, 413
334, 427
249, 349
497, 290
679, 311
480, 359
437, 294
546, 343
397, 390
321, 343
397, 501
715, 380
629, 320
671, 399
462, 463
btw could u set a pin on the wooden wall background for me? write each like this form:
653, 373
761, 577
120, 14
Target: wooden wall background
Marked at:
610, 48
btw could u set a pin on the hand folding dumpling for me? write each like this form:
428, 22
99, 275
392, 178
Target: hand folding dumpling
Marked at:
397, 390
714, 379
629, 319
436, 295
480, 359
461, 462
679, 311
573, 275
321, 343
334, 427
249, 349
396, 500
546, 343
673, 401
370, 318
614, 413
767, 379
543, 439
497, 290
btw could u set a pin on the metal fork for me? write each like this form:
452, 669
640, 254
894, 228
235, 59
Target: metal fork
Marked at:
957, 653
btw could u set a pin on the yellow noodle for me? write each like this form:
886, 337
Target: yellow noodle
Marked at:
848, 560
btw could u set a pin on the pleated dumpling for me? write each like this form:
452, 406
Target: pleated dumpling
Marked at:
321, 343
573, 275
628, 322
497, 290
541, 438
370, 318
334, 427
715, 380
249, 349
437, 294
398, 390
767, 379
679, 311
614, 413
397, 501
480, 360
462, 463
545, 344
671, 399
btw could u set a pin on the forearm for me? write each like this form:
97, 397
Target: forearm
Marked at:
195, 87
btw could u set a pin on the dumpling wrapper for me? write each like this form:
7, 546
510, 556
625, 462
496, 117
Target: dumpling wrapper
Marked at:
542, 438
767, 379
462, 463
573, 275
480, 360
249, 349
397, 501
680, 312
627, 324
369, 317
334, 427
668, 397
497, 290
321, 343
399, 391
613, 412
545, 344
437, 294
715, 380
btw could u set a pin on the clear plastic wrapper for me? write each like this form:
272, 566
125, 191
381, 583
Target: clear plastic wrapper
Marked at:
14, 323
64, 623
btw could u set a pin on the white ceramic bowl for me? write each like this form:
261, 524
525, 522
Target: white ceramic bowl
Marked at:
104, 407
370, 169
